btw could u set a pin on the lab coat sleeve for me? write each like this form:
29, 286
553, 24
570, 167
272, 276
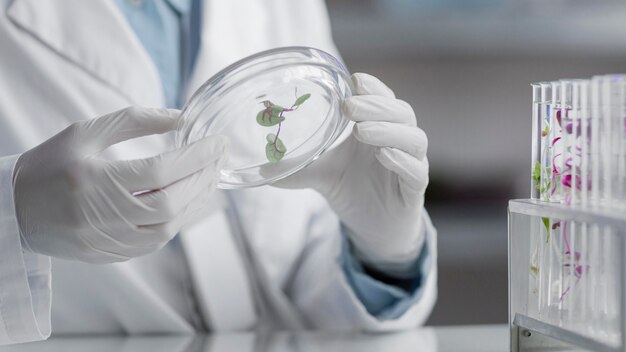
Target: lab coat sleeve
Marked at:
381, 298
24, 277
330, 299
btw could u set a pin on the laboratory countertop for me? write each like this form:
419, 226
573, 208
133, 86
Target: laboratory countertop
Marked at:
483, 338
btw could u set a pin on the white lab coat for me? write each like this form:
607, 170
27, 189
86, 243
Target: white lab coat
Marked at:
67, 60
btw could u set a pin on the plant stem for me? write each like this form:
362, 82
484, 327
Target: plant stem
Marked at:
277, 133
268, 110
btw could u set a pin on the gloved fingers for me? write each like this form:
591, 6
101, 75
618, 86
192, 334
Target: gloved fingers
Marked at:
165, 231
122, 254
107, 249
200, 208
365, 84
99, 256
167, 203
98, 134
162, 170
378, 108
412, 173
309, 177
411, 140
116, 255
328, 167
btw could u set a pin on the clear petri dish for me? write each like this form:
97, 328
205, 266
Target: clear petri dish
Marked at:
281, 109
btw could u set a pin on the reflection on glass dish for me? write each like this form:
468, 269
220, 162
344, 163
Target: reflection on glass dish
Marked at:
279, 108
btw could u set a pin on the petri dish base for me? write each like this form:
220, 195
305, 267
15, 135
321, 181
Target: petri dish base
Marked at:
281, 109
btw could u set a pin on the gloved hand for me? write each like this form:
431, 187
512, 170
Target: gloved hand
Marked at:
376, 178
71, 204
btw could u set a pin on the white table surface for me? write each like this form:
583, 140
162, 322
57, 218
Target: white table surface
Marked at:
479, 338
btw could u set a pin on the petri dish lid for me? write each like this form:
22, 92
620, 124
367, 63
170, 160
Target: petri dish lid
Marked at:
281, 109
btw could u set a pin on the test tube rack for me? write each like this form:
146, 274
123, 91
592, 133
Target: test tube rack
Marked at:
567, 243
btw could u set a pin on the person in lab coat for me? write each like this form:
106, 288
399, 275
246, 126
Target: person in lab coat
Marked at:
345, 244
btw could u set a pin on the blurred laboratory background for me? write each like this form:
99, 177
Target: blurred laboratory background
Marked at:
465, 66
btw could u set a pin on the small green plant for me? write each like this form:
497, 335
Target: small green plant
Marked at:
274, 115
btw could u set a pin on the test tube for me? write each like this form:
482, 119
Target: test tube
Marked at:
539, 112
556, 143
594, 145
605, 141
613, 282
535, 256
572, 285
621, 141
575, 149
543, 265
594, 285
618, 164
546, 149
585, 142
613, 136
535, 166
544, 262
578, 148
584, 118
584, 277
566, 163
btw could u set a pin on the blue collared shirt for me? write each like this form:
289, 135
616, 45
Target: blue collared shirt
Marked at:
169, 33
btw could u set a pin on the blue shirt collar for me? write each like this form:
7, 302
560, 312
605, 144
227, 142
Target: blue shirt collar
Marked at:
181, 6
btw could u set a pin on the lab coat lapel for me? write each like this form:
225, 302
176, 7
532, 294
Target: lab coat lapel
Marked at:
94, 36
221, 282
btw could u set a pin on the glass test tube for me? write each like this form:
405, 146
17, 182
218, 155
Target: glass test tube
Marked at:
545, 254
594, 271
618, 127
580, 278
546, 150
581, 101
578, 148
621, 144
566, 162
535, 166
543, 266
556, 143
533, 277
570, 290
605, 141
585, 142
575, 149
594, 145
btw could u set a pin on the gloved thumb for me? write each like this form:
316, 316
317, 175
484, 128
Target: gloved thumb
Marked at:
322, 173
98, 134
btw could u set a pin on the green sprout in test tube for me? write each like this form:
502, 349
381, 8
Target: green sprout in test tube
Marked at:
273, 115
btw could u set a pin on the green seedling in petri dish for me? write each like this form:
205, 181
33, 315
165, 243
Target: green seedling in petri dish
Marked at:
274, 115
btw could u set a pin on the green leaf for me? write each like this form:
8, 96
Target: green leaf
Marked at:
277, 109
301, 99
546, 223
275, 148
536, 175
269, 117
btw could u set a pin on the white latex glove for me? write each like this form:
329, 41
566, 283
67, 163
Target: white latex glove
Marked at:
72, 204
375, 180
